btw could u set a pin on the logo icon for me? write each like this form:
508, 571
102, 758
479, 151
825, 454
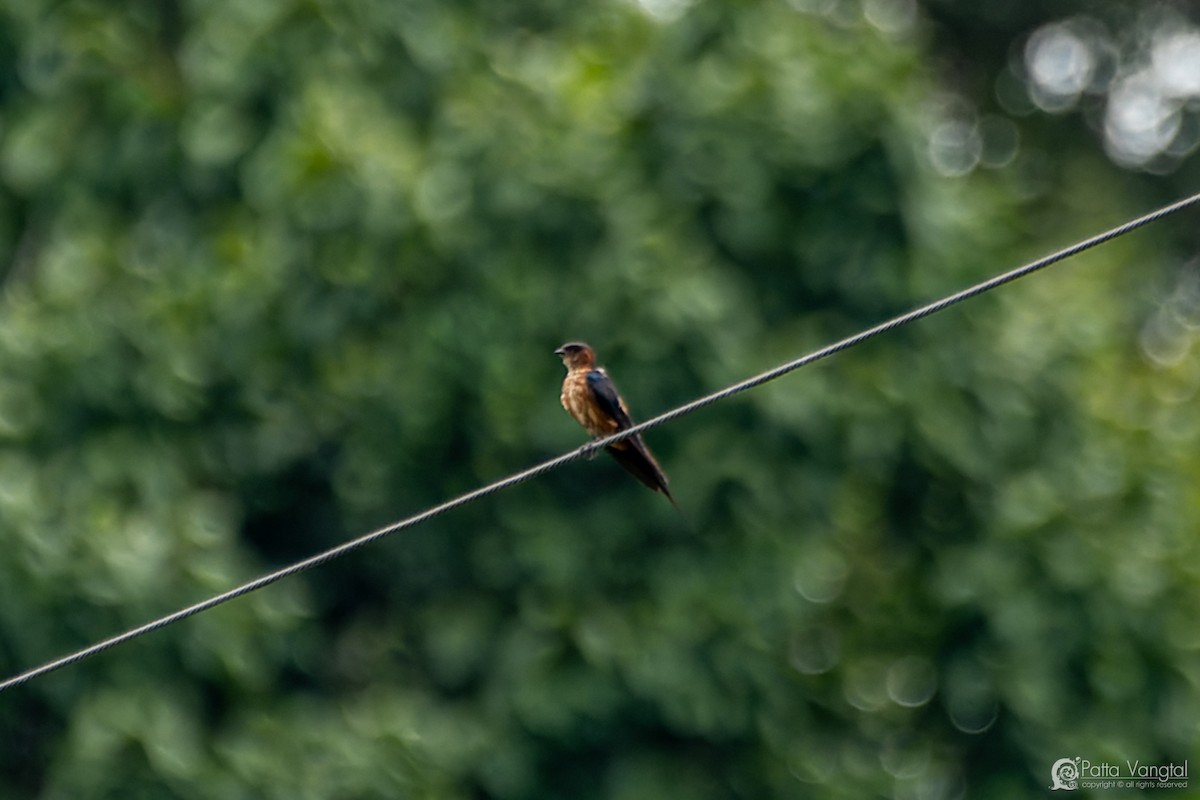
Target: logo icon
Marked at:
1065, 774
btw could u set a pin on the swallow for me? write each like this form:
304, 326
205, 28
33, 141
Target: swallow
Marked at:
590, 396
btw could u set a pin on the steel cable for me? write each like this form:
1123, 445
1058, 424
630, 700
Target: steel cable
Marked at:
591, 447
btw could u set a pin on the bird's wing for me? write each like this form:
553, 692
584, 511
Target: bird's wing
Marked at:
605, 395
632, 453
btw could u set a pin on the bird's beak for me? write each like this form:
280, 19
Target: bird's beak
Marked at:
560, 352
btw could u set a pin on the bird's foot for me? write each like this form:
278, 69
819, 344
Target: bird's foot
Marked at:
590, 450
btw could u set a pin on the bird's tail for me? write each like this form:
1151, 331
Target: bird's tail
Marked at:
634, 456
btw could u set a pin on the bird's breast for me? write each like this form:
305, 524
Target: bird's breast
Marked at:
578, 401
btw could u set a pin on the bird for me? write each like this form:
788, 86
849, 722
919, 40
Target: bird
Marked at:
590, 396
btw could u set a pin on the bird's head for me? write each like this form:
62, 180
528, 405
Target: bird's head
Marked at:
576, 355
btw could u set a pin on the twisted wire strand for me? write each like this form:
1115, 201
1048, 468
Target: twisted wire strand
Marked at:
591, 447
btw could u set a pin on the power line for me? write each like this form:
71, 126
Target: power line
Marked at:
591, 447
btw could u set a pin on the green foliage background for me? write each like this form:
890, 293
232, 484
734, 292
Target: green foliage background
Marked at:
278, 272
